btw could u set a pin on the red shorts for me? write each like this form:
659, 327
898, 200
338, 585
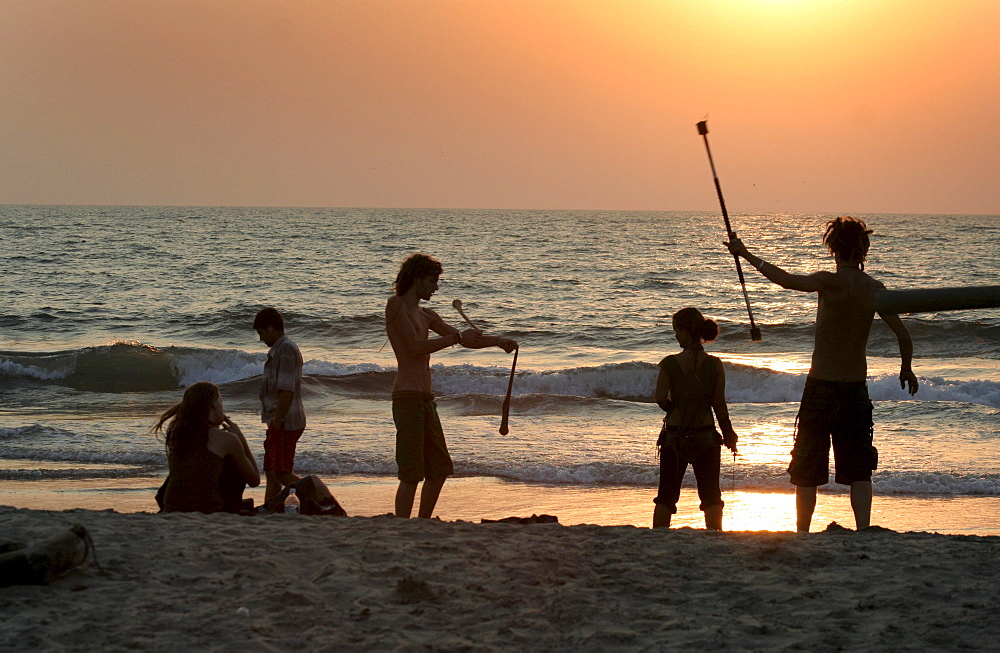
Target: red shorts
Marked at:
279, 449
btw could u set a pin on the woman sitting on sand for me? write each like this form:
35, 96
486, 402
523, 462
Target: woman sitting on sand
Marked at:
209, 466
690, 385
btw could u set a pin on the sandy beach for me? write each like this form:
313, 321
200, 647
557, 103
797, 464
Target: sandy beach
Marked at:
222, 582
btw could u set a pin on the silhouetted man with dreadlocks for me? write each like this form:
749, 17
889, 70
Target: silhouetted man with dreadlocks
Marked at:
835, 404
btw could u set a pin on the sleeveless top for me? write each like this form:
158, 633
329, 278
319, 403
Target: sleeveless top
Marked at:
194, 483
695, 436
692, 395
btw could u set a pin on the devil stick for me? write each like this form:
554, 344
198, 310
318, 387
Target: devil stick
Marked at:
703, 130
505, 412
504, 430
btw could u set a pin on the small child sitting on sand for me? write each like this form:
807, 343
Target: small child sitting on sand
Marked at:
689, 387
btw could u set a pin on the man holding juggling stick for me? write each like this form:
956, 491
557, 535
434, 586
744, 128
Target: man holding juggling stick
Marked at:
835, 403
421, 452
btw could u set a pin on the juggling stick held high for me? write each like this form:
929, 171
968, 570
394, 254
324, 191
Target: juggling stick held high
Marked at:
703, 130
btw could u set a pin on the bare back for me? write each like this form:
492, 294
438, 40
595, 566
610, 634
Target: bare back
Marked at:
843, 322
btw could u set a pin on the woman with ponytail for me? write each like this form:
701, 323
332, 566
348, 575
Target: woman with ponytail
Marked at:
209, 459
690, 386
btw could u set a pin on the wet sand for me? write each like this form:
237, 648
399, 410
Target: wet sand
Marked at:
475, 498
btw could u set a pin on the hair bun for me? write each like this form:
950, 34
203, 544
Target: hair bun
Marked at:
709, 330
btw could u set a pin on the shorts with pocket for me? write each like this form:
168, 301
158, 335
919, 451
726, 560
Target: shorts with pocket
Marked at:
421, 451
839, 412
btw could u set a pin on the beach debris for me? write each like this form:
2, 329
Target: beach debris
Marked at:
243, 611
534, 519
45, 561
6, 546
413, 590
294, 598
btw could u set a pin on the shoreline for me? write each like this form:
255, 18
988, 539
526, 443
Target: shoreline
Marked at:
222, 582
474, 498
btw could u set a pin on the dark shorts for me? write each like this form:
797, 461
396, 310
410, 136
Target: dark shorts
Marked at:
279, 449
837, 411
706, 462
420, 448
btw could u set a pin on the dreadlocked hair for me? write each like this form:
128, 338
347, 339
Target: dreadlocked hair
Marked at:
847, 238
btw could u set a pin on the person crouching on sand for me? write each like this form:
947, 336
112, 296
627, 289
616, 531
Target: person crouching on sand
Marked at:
209, 459
689, 387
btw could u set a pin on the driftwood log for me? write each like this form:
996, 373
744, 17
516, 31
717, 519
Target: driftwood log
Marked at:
43, 562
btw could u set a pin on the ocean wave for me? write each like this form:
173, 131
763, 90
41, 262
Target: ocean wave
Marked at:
136, 367
738, 475
116, 367
982, 392
19, 366
946, 335
33, 432
150, 458
636, 381
79, 473
941, 483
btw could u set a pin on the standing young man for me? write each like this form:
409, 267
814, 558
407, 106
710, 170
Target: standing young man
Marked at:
421, 452
280, 401
835, 403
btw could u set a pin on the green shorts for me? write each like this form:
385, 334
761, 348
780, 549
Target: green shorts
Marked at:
420, 448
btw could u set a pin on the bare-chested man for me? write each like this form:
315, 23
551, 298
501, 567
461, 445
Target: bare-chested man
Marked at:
421, 452
835, 401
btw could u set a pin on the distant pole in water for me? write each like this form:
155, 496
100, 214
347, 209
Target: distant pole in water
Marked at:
754, 329
934, 300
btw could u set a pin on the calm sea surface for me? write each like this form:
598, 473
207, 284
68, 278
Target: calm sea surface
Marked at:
109, 312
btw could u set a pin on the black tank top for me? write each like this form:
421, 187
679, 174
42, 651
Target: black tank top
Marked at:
692, 394
194, 483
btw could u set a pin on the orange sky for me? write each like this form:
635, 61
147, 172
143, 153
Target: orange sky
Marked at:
814, 105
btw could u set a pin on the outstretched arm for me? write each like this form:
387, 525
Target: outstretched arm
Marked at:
806, 283
480, 341
907, 379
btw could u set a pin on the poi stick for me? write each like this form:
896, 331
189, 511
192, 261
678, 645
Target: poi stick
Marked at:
504, 430
703, 130
505, 411
458, 307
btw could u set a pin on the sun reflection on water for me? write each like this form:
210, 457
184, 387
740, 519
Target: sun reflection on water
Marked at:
744, 511
786, 363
